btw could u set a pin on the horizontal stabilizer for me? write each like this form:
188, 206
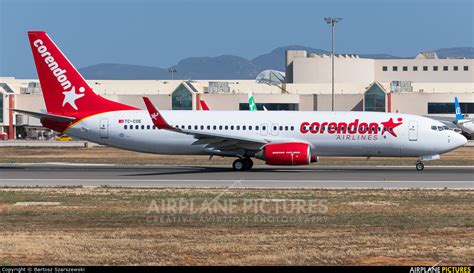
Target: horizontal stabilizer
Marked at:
44, 115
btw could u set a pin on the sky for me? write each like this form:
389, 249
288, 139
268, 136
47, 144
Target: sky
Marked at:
162, 32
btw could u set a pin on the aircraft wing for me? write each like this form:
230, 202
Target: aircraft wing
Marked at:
213, 141
44, 115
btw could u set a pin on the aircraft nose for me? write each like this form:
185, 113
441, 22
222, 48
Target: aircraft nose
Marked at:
459, 140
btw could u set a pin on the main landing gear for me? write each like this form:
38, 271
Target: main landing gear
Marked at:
419, 166
243, 164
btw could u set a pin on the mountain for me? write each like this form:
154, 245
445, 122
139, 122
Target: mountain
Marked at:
123, 72
218, 68
276, 58
456, 52
228, 66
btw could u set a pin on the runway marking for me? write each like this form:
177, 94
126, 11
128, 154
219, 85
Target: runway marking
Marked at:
233, 180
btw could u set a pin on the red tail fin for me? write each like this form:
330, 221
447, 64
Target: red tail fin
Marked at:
65, 91
204, 105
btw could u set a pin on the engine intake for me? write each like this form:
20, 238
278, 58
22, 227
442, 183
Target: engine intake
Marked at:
289, 153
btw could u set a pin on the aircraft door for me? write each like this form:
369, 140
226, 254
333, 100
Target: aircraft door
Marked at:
413, 131
104, 128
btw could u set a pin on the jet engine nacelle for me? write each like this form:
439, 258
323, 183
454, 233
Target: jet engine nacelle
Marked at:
289, 153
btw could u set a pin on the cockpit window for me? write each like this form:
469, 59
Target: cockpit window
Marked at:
440, 128
446, 127
433, 127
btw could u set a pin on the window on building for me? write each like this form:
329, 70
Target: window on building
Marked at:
272, 106
448, 107
466, 68
384, 68
374, 99
425, 68
394, 68
405, 68
182, 99
445, 68
415, 68
455, 68
435, 68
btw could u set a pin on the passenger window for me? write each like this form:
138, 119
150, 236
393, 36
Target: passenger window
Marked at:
189, 127
286, 128
137, 127
256, 128
143, 127
264, 128
214, 127
243, 127
148, 127
226, 127
195, 127
202, 127
125, 127
154, 127
232, 127
238, 127
182, 126
292, 128
274, 128
208, 127
281, 128
220, 127
250, 127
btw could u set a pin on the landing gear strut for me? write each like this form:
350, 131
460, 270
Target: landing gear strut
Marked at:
419, 166
243, 164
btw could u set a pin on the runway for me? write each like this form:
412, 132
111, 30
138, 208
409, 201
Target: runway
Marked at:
222, 176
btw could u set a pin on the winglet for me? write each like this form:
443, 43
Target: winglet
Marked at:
204, 105
155, 115
457, 109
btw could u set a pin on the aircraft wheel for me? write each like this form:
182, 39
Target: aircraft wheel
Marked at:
248, 163
238, 165
420, 166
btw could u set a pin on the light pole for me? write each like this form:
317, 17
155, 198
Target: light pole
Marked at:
172, 71
332, 21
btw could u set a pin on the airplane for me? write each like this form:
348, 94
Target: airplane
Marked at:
466, 125
280, 138
204, 106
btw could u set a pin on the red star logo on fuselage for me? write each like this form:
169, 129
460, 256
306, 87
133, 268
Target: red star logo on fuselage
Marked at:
389, 126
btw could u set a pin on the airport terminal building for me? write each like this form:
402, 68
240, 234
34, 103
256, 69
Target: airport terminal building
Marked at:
425, 85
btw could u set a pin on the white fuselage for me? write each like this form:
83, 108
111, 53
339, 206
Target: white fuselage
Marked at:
467, 126
414, 137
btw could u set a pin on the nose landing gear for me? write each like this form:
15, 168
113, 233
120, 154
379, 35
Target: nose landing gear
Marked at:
243, 164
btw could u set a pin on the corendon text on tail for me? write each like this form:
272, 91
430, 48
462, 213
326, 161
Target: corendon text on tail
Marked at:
277, 137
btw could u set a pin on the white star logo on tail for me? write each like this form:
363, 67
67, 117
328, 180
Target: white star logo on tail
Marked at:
154, 116
70, 97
